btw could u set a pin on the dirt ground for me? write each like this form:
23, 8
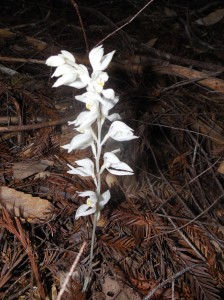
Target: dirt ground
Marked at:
161, 236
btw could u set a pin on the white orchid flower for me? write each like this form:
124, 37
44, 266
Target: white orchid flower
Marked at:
119, 131
97, 81
114, 165
64, 58
91, 99
80, 141
91, 202
108, 102
100, 62
82, 79
86, 168
68, 75
84, 120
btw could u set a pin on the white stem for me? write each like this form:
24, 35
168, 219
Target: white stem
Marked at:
98, 191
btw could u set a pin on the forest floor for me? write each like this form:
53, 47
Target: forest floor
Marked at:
161, 236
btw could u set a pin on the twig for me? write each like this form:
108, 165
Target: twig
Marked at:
171, 279
23, 60
65, 283
34, 126
122, 26
81, 23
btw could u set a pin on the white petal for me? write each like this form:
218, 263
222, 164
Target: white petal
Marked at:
114, 117
86, 168
77, 84
120, 169
105, 197
64, 69
119, 131
90, 194
64, 80
110, 158
89, 98
111, 162
68, 55
84, 210
95, 57
122, 166
106, 60
86, 163
119, 173
80, 141
85, 119
109, 93
55, 61
77, 171
97, 60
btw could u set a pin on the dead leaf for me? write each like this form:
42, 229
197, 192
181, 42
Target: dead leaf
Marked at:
26, 169
33, 209
5, 33
212, 18
152, 42
221, 167
37, 44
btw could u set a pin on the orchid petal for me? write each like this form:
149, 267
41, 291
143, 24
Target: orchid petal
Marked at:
77, 84
87, 193
64, 69
119, 131
68, 55
91, 99
86, 168
105, 197
80, 141
97, 60
110, 158
115, 166
85, 119
84, 210
108, 93
114, 117
65, 79
55, 61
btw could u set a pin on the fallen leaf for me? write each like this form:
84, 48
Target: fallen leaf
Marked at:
221, 167
151, 43
212, 18
33, 209
37, 44
26, 169
5, 33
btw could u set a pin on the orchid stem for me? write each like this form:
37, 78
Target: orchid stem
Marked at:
96, 214
88, 277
